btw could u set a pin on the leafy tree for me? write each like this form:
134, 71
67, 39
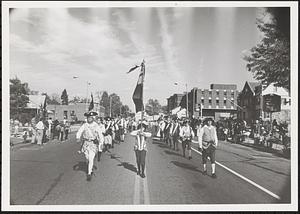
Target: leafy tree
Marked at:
164, 109
269, 60
153, 107
64, 98
75, 99
105, 102
18, 98
53, 99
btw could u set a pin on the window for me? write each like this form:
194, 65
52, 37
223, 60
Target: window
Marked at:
225, 93
72, 113
209, 101
232, 94
225, 102
202, 101
66, 114
217, 102
209, 93
217, 92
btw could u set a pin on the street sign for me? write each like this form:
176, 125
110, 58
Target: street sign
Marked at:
271, 103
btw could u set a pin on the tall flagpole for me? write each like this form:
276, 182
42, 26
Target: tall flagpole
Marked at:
143, 76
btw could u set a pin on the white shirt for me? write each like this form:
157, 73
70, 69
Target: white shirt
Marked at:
186, 131
140, 143
200, 135
90, 131
40, 125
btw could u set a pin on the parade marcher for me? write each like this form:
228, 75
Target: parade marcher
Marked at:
91, 136
39, 131
175, 133
208, 141
186, 134
167, 132
100, 146
140, 147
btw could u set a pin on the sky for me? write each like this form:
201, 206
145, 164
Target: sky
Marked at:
196, 46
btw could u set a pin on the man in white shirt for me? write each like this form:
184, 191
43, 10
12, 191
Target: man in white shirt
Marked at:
187, 134
208, 142
91, 135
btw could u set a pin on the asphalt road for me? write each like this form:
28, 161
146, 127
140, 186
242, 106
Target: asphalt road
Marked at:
55, 175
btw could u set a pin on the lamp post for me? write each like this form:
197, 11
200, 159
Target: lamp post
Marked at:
87, 92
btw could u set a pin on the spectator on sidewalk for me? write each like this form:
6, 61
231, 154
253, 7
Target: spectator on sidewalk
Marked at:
40, 131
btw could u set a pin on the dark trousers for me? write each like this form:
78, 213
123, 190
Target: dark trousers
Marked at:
209, 152
140, 159
175, 142
186, 143
61, 136
66, 134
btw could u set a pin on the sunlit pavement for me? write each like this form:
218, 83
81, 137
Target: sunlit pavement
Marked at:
55, 174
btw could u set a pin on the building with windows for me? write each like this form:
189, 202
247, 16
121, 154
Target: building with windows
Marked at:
174, 101
251, 100
220, 101
74, 112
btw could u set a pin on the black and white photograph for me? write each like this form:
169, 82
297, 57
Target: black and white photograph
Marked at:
149, 106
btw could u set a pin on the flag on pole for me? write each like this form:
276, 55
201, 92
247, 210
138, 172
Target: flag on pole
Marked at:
45, 108
92, 103
138, 92
133, 68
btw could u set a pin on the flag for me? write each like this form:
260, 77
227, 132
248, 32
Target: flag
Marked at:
91, 104
138, 92
133, 68
44, 107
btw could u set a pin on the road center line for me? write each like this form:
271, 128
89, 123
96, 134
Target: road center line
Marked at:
136, 196
237, 174
146, 190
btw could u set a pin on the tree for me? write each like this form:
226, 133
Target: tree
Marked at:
153, 107
269, 60
116, 104
105, 102
18, 98
64, 98
75, 100
53, 99
164, 109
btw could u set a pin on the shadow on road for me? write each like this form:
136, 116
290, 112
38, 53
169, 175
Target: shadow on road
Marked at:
172, 153
186, 166
128, 166
80, 166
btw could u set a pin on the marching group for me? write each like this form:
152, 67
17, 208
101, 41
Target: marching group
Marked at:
174, 131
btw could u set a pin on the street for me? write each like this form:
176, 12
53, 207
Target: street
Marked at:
55, 175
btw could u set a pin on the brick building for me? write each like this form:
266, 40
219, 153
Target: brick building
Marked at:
71, 112
174, 101
219, 101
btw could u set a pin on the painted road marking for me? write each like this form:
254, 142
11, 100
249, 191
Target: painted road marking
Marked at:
239, 175
146, 190
136, 196
244, 178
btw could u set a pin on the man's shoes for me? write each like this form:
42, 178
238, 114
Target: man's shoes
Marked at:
89, 177
204, 172
143, 175
214, 175
138, 173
